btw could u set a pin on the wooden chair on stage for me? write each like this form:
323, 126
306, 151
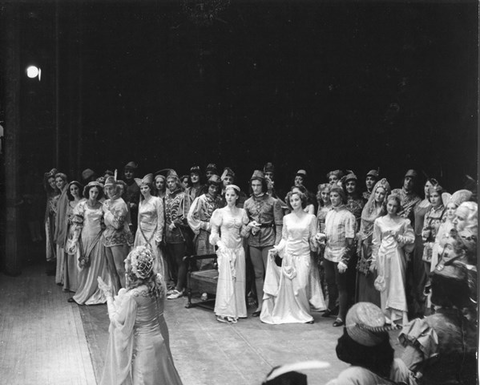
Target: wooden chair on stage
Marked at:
201, 281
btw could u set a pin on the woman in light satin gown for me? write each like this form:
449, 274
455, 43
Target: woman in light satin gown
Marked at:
289, 291
392, 237
88, 229
228, 225
138, 351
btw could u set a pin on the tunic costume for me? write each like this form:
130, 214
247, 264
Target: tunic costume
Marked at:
138, 351
50, 216
132, 196
339, 226
226, 230
198, 219
151, 221
88, 225
389, 256
289, 290
268, 212
117, 237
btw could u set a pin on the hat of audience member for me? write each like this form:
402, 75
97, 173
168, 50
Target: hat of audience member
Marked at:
147, 179
109, 181
86, 189
373, 173
340, 191
411, 173
301, 173
211, 167
268, 167
195, 170
258, 175
289, 374
87, 173
227, 172
337, 173
366, 324
214, 179
131, 166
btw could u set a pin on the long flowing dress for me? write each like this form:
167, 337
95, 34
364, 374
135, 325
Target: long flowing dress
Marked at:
226, 233
61, 234
70, 270
151, 221
138, 349
88, 220
288, 291
389, 256
50, 214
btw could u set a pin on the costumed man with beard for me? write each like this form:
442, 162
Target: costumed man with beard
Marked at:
132, 194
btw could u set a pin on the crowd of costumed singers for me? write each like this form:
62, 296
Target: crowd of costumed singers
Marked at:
284, 255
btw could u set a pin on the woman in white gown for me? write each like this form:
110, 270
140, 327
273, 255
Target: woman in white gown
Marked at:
392, 234
228, 225
289, 291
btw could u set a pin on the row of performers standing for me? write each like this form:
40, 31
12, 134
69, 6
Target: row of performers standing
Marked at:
283, 249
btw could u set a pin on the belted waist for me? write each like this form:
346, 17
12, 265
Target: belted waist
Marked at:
271, 224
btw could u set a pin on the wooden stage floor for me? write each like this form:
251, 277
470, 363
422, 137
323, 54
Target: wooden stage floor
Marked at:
46, 340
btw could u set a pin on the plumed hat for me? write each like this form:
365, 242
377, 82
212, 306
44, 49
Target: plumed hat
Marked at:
365, 324
131, 166
268, 167
109, 181
87, 173
227, 172
214, 179
147, 179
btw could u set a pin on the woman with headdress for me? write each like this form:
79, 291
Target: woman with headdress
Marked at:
70, 271
88, 226
391, 235
61, 225
334, 177
374, 208
365, 345
151, 221
324, 204
50, 213
117, 237
288, 292
228, 225
199, 217
160, 186
138, 350
177, 239
442, 348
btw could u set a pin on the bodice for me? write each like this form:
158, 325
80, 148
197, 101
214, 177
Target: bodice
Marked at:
149, 310
92, 219
148, 213
297, 234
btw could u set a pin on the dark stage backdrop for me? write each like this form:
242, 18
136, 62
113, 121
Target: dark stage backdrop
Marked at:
305, 84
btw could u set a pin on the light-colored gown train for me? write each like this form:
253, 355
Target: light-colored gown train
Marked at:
291, 289
138, 351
